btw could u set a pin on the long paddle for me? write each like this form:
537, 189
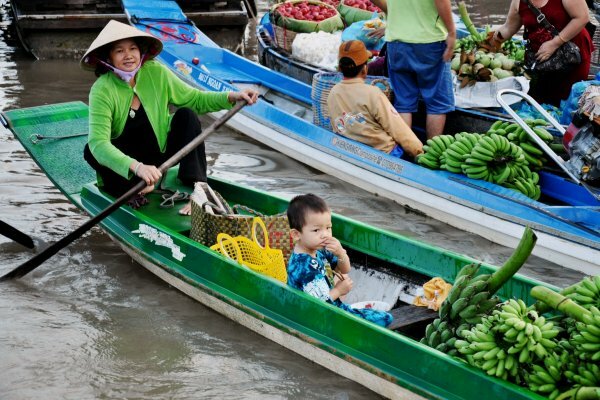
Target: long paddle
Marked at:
16, 235
39, 258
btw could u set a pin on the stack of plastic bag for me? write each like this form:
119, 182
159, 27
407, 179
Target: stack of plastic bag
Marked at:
318, 48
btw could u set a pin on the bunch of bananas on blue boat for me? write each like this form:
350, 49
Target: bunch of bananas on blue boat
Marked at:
533, 153
494, 159
433, 150
455, 155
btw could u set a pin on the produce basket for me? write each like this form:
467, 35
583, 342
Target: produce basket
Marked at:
286, 27
284, 38
351, 14
321, 86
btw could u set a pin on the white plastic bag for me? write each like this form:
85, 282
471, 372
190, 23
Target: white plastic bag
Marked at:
483, 94
318, 48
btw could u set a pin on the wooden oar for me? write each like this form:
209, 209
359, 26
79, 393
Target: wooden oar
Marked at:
39, 258
16, 235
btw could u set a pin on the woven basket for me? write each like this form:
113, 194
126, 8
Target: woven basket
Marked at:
206, 227
321, 86
250, 253
284, 38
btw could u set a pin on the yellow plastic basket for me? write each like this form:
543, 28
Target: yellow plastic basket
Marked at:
250, 253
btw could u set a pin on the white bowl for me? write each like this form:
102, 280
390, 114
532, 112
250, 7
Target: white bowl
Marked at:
374, 304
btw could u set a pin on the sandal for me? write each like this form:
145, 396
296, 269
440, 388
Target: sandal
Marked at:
137, 201
169, 199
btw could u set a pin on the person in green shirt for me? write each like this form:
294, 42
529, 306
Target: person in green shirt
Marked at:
131, 129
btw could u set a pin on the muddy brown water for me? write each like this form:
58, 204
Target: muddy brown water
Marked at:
91, 323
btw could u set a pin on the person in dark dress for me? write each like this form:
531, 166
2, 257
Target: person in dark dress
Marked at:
569, 17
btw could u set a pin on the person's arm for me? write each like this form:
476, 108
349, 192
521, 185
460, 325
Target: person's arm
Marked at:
343, 261
578, 11
512, 24
381, 4
100, 129
390, 121
444, 9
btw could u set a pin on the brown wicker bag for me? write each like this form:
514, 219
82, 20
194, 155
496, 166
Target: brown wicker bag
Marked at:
207, 226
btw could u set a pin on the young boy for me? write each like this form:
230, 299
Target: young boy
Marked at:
362, 112
318, 256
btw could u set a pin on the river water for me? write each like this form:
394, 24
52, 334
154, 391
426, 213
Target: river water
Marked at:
91, 323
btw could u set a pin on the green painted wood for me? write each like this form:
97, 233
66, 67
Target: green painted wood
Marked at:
380, 351
60, 159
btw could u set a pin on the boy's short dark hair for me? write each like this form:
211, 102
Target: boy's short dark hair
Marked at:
300, 205
348, 68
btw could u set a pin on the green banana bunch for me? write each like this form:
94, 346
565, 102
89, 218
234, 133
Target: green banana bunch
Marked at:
527, 186
483, 348
440, 335
548, 379
494, 158
586, 339
433, 151
587, 292
455, 155
469, 298
500, 128
528, 334
584, 374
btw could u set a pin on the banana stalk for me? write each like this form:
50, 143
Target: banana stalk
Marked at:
516, 261
561, 303
464, 16
542, 307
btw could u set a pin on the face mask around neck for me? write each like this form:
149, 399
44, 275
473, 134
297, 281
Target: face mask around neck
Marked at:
126, 76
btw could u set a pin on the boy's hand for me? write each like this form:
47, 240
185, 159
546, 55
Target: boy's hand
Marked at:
342, 287
333, 245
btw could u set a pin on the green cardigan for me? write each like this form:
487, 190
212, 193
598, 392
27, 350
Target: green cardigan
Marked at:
157, 88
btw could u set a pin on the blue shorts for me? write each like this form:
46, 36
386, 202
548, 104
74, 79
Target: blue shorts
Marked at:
417, 71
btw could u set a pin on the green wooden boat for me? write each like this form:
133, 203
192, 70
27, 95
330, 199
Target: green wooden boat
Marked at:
390, 362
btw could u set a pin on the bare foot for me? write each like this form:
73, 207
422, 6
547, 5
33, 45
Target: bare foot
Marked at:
186, 210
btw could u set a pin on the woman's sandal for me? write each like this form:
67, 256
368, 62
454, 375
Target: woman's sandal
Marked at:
137, 201
169, 199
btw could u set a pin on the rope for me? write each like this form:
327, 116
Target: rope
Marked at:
36, 137
137, 20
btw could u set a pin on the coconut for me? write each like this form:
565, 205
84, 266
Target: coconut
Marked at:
508, 64
465, 69
485, 60
455, 64
495, 63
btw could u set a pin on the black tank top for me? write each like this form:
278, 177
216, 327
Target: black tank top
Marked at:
138, 139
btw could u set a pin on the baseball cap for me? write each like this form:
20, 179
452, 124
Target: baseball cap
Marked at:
354, 50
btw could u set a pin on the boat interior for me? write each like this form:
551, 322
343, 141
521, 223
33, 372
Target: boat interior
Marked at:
374, 279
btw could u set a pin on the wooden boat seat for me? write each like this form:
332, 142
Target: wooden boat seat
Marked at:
409, 317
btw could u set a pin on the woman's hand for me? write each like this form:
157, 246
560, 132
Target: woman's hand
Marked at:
250, 95
148, 173
548, 48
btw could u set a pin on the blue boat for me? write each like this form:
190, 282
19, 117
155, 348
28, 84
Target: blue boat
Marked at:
567, 222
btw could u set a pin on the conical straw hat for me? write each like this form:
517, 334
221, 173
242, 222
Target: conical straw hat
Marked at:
115, 31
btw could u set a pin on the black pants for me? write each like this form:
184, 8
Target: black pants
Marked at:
139, 142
